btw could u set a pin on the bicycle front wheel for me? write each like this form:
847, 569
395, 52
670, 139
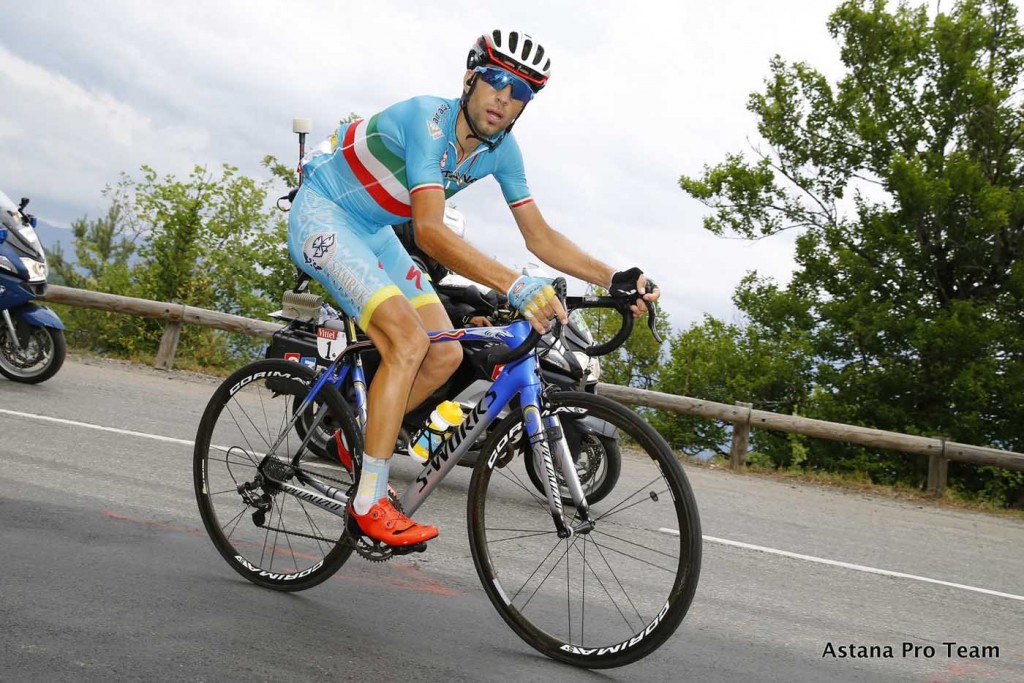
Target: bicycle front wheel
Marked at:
599, 599
267, 535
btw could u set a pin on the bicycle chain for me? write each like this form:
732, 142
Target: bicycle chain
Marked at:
375, 552
299, 533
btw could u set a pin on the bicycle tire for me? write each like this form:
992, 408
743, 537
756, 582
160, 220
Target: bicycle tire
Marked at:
638, 607
296, 545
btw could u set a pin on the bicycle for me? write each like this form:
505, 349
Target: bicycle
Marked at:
594, 586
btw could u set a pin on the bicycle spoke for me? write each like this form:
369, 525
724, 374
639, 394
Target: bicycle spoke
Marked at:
524, 533
602, 532
244, 433
611, 571
603, 587
514, 478
619, 507
540, 585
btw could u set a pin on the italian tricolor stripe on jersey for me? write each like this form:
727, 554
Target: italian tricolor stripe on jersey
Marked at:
381, 171
520, 202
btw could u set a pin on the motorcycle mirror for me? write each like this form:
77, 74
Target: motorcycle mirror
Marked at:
23, 204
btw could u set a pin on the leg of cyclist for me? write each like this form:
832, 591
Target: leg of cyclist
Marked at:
411, 368
373, 279
441, 359
349, 261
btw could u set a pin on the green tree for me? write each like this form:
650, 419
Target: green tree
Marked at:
905, 181
103, 251
208, 240
728, 363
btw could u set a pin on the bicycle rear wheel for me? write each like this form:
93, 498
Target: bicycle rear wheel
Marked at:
599, 599
270, 537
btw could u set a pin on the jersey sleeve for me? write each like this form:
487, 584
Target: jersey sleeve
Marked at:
511, 174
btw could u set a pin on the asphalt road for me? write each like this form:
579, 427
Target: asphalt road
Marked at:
107, 574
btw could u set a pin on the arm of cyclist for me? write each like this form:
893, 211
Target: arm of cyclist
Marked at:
559, 252
535, 300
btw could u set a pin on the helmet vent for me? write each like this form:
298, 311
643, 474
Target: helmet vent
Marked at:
513, 41
539, 56
496, 35
527, 46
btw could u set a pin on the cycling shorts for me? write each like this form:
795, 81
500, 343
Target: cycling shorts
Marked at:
359, 265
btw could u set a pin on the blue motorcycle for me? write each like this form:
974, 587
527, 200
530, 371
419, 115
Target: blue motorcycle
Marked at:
32, 345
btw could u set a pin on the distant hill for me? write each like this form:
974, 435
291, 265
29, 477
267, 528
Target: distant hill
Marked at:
51, 235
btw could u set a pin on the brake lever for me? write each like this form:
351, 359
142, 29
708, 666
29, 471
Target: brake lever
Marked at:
652, 313
557, 330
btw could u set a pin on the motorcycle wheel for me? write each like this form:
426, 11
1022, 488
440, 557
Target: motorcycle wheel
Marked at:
39, 361
598, 464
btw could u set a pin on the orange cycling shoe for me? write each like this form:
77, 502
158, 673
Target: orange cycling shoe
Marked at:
384, 523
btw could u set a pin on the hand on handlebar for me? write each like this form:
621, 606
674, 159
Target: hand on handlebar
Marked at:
633, 283
535, 299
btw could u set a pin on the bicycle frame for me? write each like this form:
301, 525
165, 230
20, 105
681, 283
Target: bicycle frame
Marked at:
520, 377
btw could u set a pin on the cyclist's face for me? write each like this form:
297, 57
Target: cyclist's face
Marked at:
491, 110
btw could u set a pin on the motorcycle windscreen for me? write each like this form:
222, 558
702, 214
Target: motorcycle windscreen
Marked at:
24, 241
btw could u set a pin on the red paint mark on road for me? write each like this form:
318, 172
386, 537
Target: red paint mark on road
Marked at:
403, 576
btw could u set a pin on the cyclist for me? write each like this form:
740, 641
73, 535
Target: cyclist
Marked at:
402, 164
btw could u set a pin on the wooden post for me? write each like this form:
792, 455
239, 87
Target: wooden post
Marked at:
740, 438
169, 341
938, 470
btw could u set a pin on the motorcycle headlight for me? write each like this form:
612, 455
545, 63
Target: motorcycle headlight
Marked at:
36, 269
591, 365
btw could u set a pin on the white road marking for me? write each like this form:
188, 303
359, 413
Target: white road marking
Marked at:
712, 539
857, 567
87, 425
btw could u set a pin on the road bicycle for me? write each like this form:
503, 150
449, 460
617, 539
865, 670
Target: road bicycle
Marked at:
596, 586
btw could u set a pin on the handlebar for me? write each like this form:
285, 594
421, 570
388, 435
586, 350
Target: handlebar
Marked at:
571, 303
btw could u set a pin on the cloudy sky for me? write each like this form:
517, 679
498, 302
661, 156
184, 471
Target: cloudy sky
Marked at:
641, 93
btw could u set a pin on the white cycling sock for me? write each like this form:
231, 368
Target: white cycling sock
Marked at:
373, 483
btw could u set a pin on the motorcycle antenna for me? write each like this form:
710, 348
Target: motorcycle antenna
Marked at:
302, 127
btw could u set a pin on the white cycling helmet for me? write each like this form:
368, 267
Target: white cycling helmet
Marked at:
515, 51
455, 221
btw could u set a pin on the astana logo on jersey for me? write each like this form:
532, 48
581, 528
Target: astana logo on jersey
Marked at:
318, 249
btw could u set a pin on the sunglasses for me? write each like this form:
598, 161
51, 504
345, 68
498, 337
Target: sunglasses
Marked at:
499, 79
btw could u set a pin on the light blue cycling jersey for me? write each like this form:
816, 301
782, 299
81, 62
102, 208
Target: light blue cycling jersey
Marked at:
372, 167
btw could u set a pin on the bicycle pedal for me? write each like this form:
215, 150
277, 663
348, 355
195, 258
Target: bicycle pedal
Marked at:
408, 549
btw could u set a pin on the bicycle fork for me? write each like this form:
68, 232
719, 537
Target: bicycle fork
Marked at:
551, 454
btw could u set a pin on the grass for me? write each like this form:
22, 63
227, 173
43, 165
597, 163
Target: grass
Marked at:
183, 364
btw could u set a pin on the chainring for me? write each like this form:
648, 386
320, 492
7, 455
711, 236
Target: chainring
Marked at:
369, 549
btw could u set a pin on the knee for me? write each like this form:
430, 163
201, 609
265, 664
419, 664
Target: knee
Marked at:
445, 356
408, 351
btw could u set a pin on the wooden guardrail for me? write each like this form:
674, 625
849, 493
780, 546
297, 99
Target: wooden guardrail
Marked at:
743, 416
938, 450
174, 313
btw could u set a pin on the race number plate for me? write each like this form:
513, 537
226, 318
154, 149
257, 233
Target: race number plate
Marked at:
328, 344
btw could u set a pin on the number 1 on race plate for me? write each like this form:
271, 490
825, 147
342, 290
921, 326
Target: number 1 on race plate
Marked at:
327, 343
